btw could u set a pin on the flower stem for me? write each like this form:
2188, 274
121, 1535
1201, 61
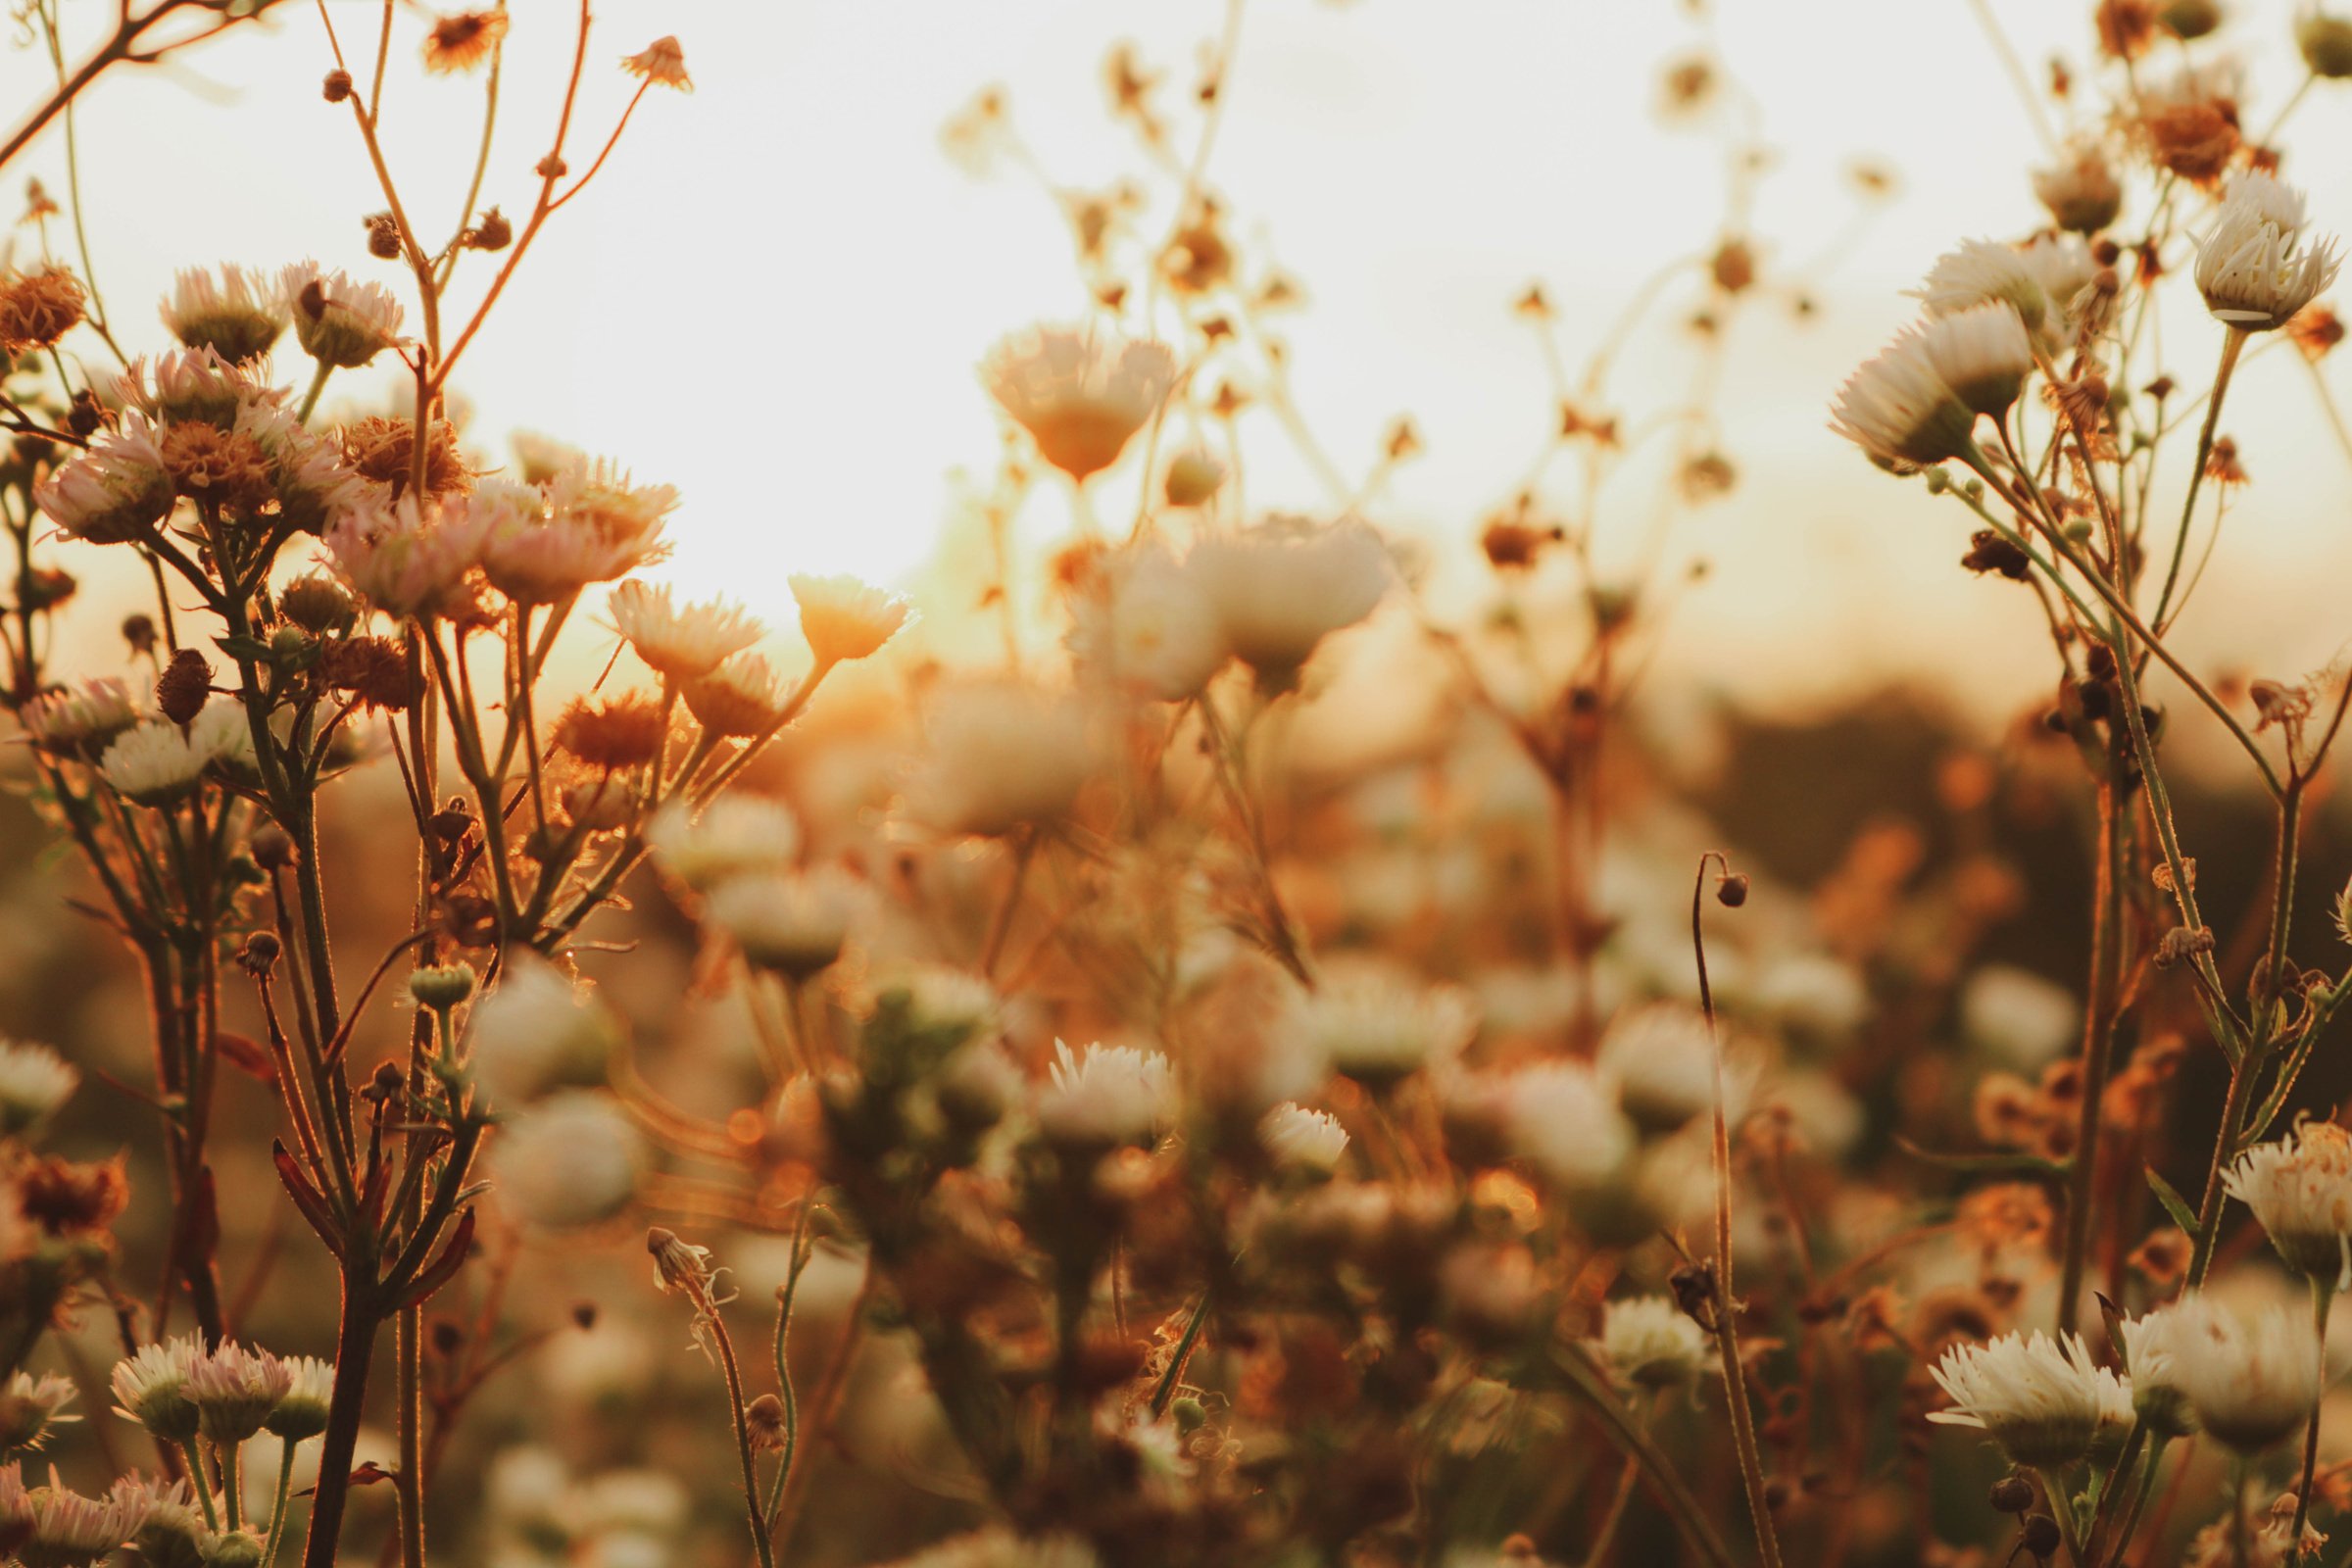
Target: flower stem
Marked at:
2323, 1297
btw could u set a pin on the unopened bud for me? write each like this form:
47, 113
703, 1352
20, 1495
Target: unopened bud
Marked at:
337, 86
184, 686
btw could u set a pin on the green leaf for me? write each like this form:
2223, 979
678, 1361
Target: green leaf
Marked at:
242, 646
2174, 1204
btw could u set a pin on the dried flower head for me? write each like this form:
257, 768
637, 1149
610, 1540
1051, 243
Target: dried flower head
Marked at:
463, 41
1081, 393
2081, 191
613, 733
36, 309
661, 63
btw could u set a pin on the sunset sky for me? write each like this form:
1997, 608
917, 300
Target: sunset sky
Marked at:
775, 295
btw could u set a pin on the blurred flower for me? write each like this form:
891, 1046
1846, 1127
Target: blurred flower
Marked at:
1153, 629
78, 720
35, 1081
2153, 1344
2325, 43
158, 762
735, 835
843, 618
1563, 1119
1281, 587
69, 1530
2253, 265
2039, 1398
2251, 1384
742, 697
539, 1031
1377, 1027
2020, 1017
234, 1388
1193, 477
572, 1160
463, 41
1299, 1138
2080, 190
36, 309
1080, 393
1899, 410
1000, 757
1649, 1343
1104, 1096
32, 1409
792, 923
1663, 1060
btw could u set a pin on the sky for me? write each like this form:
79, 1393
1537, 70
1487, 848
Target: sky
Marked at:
778, 291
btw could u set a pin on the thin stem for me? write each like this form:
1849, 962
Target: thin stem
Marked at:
1726, 1333
281, 1502
2063, 1512
2099, 1040
2234, 343
743, 1437
204, 1487
2323, 1297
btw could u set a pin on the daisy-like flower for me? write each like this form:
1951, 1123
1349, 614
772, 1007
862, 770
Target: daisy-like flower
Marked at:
936, 1000
2151, 1351
572, 1160
1301, 1140
114, 492
1983, 270
36, 309
2081, 191
300, 1412
843, 618
339, 321
78, 720
2250, 1384
2343, 913
35, 1081
1899, 410
2256, 267
410, 559
191, 385
661, 63
234, 1387
538, 1031
32, 1409
1000, 757
1981, 353
156, 763
735, 835
235, 312
1647, 1342
1081, 393
1104, 1096
591, 525
2300, 1190
793, 923
1154, 629
165, 1525
742, 697
315, 486
540, 458
680, 641
72, 1530
2041, 1399
1377, 1027
151, 1388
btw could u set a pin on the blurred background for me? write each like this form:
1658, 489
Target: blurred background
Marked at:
776, 295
